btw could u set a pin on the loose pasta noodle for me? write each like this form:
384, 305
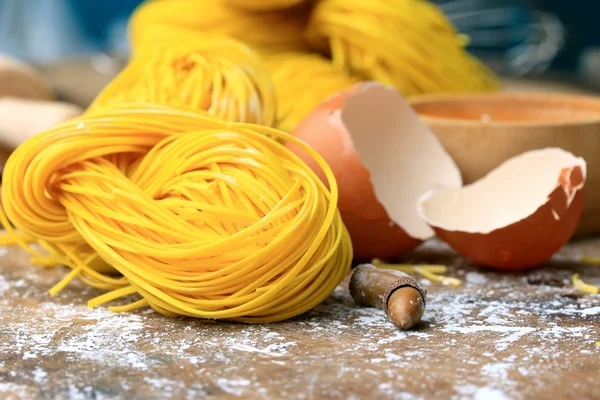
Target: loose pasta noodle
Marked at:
206, 72
200, 217
279, 30
409, 44
582, 286
434, 273
296, 97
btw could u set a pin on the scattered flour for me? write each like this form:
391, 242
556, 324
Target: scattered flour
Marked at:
107, 330
233, 386
476, 278
267, 350
497, 371
590, 311
349, 343
478, 393
11, 389
487, 393
4, 286
39, 375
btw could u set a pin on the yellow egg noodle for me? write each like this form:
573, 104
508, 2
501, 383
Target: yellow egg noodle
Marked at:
409, 44
290, 73
278, 30
582, 286
200, 217
434, 273
207, 72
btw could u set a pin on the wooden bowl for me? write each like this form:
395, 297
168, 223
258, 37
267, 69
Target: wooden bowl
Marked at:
480, 131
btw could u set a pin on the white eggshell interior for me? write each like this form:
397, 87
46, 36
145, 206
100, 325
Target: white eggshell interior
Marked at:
508, 194
405, 159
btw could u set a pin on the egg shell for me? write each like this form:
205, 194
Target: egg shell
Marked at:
482, 130
526, 242
376, 147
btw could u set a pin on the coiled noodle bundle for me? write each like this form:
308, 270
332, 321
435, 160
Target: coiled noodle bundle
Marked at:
409, 44
317, 48
201, 217
206, 72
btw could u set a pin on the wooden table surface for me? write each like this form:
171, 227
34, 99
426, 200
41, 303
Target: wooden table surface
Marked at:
523, 336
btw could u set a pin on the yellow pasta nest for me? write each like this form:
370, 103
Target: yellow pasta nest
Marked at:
290, 73
206, 72
200, 217
409, 44
278, 30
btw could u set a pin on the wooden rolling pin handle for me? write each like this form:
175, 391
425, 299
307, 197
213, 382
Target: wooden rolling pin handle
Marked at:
398, 294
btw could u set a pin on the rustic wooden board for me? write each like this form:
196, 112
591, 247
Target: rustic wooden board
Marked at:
497, 337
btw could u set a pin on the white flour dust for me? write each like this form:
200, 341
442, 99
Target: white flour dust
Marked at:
523, 337
3, 284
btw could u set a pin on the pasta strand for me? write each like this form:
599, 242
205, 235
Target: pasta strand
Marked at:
213, 73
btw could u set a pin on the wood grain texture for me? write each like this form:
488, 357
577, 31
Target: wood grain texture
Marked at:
497, 337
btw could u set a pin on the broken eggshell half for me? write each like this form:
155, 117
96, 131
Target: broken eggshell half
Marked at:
384, 158
517, 216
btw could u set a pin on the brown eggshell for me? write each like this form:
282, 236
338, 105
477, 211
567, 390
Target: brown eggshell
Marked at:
528, 241
370, 137
482, 130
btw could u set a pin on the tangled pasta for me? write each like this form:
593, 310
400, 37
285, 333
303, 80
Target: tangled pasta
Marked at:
278, 30
200, 217
409, 44
290, 73
206, 72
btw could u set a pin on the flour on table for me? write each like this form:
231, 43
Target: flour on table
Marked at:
233, 386
3, 284
347, 344
488, 393
479, 393
39, 375
476, 278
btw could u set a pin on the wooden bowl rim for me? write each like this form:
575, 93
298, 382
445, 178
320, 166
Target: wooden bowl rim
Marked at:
550, 98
